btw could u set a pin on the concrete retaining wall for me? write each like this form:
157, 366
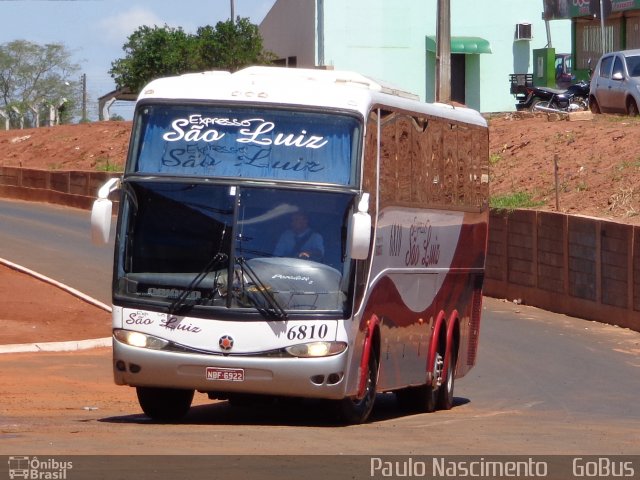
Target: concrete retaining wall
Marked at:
71, 188
584, 267
579, 266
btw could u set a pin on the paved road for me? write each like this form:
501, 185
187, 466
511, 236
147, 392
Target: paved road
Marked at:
56, 242
544, 384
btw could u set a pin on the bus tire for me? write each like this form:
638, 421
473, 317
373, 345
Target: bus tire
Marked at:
165, 404
445, 392
422, 399
353, 410
429, 391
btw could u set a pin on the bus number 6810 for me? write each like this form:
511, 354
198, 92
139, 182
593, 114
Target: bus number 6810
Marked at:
307, 332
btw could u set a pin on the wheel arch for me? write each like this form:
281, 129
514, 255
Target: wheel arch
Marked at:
438, 340
452, 340
372, 344
376, 342
446, 338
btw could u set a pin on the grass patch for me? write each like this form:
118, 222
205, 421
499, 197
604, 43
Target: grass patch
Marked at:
624, 201
104, 165
620, 118
582, 187
628, 164
494, 158
513, 201
567, 137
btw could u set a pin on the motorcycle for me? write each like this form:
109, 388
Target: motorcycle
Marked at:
574, 99
545, 99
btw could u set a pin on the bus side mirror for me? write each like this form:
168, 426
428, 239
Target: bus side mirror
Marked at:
101, 213
360, 237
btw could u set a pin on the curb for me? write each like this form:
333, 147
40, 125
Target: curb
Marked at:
66, 288
56, 346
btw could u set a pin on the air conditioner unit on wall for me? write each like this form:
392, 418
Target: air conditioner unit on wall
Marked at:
523, 31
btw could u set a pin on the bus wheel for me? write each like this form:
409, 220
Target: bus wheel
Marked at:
445, 393
430, 391
166, 404
354, 410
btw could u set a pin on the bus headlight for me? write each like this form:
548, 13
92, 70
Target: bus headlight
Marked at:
142, 340
316, 349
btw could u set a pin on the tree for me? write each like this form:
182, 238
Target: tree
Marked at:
231, 46
153, 52
35, 77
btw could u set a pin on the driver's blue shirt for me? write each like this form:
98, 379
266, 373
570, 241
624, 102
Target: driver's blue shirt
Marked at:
292, 245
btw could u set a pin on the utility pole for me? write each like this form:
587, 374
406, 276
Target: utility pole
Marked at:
233, 11
443, 53
547, 14
602, 34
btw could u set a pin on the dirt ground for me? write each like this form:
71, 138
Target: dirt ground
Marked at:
598, 163
89, 146
34, 311
598, 175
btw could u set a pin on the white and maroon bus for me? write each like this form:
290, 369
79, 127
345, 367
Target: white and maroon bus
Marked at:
393, 197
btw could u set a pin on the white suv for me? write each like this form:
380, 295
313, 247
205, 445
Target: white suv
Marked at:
615, 84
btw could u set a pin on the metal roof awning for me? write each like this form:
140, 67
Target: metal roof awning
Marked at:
462, 44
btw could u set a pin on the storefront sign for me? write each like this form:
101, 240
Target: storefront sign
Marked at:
557, 9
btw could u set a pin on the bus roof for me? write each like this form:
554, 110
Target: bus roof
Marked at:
297, 86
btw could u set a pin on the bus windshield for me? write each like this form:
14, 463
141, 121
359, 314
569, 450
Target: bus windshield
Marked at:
283, 249
249, 143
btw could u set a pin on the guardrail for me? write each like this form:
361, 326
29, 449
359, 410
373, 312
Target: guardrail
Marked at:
580, 266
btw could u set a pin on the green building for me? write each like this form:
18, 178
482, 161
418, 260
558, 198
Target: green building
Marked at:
394, 41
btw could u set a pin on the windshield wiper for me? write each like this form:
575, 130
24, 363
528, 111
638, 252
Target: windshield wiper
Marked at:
275, 309
179, 304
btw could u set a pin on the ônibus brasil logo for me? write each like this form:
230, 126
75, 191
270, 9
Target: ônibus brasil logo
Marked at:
38, 469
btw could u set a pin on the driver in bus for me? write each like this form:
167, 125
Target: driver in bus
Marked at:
300, 241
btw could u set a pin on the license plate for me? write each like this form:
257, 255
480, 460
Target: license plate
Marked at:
225, 374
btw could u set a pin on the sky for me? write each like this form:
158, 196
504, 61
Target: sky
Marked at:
94, 31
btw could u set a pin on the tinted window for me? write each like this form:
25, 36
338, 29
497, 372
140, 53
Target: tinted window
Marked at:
178, 238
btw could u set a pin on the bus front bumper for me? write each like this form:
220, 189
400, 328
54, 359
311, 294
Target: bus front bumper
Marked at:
321, 377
